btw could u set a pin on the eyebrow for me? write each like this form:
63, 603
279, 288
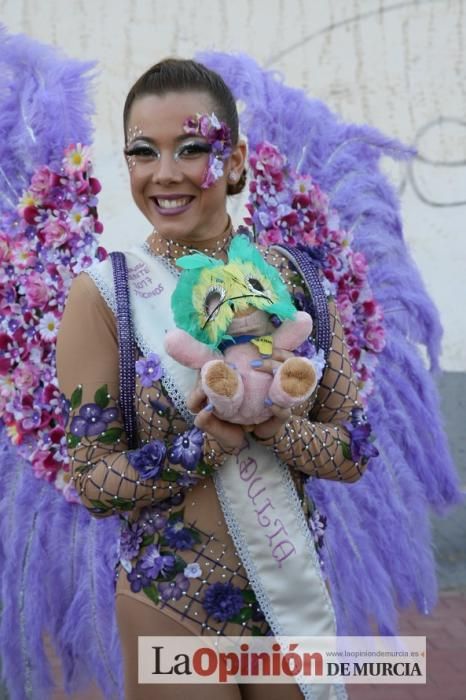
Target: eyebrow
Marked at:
178, 139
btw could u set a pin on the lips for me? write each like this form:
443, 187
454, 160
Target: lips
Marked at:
170, 204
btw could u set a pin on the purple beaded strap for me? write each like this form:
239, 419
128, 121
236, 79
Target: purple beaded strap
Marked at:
126, 346
309, 272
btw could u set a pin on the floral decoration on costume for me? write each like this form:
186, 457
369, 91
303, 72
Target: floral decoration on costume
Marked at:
53, 239
218, 135
361, 447
288, 207
149, 369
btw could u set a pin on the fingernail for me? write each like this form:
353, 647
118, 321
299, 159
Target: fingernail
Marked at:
209, 407
268, 402
256, 363
275, 370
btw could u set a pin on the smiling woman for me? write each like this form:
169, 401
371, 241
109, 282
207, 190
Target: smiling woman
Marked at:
175, 479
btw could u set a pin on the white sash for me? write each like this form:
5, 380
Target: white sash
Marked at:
256, 491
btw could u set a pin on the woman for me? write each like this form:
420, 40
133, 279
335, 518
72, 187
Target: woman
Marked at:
184, 157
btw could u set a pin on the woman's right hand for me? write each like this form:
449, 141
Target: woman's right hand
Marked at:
230, 436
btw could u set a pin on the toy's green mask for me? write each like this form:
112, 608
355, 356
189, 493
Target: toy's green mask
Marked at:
210, 292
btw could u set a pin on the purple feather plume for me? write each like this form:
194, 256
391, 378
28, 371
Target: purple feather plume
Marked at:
56, 563
44, 106
378, 552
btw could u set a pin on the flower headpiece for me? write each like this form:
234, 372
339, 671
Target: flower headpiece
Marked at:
218, 135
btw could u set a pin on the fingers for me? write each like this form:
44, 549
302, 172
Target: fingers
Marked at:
196, 399
230, 435
269, 428
271, 364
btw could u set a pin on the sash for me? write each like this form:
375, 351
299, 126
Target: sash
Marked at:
255, 490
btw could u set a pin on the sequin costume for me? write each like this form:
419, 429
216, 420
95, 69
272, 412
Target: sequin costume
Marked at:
182, 508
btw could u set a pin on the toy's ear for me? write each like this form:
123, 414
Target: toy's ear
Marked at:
197, 261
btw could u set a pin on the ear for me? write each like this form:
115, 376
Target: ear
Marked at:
237, 161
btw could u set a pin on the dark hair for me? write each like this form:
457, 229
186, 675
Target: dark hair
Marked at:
183, 75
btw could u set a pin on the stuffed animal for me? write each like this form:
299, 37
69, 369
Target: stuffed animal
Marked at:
227, 316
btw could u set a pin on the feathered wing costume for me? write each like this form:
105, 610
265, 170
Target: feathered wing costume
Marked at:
57, 562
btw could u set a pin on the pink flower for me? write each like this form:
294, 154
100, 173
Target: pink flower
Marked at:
37, 291
26, 376
359, 264
270, 157
346, 310
4, 247
43, 180
271, 237
375, 338
56, 233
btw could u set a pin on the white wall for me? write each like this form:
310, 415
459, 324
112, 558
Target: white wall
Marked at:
400, 66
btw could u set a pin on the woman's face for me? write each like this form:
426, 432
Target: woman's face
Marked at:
168, 166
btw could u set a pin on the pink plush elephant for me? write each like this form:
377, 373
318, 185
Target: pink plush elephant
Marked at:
238, 392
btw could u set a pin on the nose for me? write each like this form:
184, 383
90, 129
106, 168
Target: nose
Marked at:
167, 170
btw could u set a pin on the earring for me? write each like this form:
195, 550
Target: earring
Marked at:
233, 177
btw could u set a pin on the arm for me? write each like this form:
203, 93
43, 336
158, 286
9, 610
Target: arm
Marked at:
88, 370
314, 442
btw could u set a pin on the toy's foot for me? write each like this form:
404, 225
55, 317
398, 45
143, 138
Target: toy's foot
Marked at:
294, 382
223, 387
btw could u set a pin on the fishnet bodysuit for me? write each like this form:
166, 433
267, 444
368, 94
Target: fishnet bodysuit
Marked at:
310, 443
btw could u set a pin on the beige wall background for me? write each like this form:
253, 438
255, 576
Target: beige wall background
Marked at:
399, 66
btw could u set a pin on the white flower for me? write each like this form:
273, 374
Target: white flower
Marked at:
193, 570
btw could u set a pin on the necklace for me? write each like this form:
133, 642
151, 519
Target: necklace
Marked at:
171, 249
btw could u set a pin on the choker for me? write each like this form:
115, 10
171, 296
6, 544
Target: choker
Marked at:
168, 248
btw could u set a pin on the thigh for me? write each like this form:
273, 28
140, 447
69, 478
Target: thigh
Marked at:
137, 618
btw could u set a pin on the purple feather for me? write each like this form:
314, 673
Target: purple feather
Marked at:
373, 562
57, 564
51, 110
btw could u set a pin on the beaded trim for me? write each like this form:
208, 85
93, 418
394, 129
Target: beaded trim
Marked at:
310, 275
126, 346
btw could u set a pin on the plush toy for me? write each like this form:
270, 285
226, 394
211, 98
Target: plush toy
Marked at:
226, 317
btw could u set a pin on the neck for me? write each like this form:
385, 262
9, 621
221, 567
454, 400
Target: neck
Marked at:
215, 246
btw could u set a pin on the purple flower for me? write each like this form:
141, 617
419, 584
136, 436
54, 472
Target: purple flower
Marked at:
92, 420
149, 459
138, 579
149, 369
223, 600
151, 520
187, 448
152, 563
173, 590
362, 440
306, 349
178, 535
317, 525
130, 540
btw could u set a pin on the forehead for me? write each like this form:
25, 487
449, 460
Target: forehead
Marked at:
162, 116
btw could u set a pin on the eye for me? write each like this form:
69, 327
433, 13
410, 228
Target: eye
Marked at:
191, 150
213, 301
142, 152
255, 284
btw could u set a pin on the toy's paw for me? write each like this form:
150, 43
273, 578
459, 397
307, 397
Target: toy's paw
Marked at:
294, 382
223, 387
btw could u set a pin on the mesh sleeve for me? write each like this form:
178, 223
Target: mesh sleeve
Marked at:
88, 375
314, 439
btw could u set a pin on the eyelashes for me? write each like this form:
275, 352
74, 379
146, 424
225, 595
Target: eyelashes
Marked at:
185, 150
